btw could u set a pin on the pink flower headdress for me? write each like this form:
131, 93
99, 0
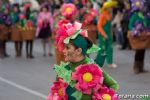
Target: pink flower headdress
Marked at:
68, 31
58, 91
89, 77
68, 9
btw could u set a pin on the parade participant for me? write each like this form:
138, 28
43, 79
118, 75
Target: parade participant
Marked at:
118, 29
68, 13
105, 36
124, 24
16, 34
80, 78
44, 27
27, 29
88, 18
138, 17
5, 24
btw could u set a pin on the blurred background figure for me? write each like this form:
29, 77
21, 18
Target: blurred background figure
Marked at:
124, 24
137, 25
118, 29
28, 31
16, 34
5, 24
44, 27
105, 36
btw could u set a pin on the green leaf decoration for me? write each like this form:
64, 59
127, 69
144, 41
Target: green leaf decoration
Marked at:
72, 83
76, 34
89, 60
63, 72
93, 49
66, 41
77, 95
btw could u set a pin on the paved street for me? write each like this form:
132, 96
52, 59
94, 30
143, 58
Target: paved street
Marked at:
30, 79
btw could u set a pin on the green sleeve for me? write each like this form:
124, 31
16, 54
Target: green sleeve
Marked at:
109, 81
148, 22
33, 20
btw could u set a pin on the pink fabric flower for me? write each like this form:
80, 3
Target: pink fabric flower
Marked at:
66, 30
105, 93
58, 91
29, 23
88, 77
68, 9
61, 35
62, 22
88, 18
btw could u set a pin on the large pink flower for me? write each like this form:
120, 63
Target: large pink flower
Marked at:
105, 93
88, 76
62, 22
68, 9
58, 91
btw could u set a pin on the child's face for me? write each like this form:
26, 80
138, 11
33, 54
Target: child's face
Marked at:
44, 9
15, 9
70, 52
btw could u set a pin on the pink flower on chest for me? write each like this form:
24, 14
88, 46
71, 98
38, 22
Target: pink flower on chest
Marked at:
88, 77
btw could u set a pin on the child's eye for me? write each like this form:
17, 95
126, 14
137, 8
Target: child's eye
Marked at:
66, 46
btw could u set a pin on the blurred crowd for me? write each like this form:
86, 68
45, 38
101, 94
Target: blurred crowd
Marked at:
42, 23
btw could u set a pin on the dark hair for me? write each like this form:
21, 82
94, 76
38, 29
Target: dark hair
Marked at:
89, 42
28, 12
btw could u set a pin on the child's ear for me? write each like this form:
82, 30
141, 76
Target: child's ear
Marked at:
79, 51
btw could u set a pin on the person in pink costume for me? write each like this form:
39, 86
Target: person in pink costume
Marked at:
44, 27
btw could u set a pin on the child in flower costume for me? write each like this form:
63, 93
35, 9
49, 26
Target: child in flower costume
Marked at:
16, 34
68, 13
80, 78
27, 27
88, 17
105, 36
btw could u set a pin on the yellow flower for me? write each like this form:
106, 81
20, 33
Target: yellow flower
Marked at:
68, 10
60, 92
106, 97
137, 3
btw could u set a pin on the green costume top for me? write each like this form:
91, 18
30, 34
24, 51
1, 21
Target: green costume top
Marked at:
148, 22
14, 17
108, 80
23, 22
137, 16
